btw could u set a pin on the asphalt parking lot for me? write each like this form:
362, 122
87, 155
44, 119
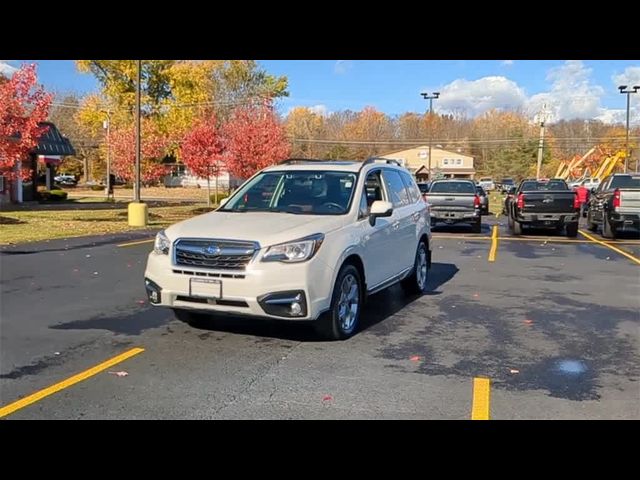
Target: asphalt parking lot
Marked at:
536, 327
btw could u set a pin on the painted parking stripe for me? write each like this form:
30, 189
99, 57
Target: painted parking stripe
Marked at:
611, 247
138, 242
481, 396
494, 244
35, 397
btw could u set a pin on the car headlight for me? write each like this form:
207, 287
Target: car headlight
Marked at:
162, 244
295, 251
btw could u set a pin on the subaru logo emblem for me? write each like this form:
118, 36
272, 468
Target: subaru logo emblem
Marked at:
211, 250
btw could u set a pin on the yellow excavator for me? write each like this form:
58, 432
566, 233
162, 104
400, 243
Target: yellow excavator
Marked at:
597, 168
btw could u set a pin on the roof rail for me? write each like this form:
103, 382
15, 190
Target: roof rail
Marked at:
292, 161
389, 161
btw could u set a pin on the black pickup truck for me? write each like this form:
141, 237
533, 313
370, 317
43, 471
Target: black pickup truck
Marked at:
615, 204
543, 204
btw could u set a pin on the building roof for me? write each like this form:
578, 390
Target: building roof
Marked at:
52, 142
425, 147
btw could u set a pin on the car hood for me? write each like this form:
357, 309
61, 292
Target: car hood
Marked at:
266, 228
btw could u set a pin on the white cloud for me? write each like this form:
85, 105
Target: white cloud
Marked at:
6, 69
478, 96
572, 93
342, 66
507, 63
320, 110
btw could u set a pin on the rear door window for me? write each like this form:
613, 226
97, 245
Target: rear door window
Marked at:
395, 188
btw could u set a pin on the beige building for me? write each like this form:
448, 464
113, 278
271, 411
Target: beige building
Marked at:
450, 164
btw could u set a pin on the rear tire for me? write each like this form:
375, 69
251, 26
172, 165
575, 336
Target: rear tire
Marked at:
608, 230
517, 227
572, 230
416, 283
477, 226
343, 319
592, 227
194, 319
509, 222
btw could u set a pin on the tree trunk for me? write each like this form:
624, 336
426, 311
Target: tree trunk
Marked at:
217, 174
209, 187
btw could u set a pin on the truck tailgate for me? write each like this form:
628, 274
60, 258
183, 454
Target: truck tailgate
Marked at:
629, 201
451, 202
549, 202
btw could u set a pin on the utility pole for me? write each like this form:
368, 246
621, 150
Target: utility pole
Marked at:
628, 91
426, 96
108, 128
541, 117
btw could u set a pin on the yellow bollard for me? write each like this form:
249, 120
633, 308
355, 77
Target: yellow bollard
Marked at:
138, 214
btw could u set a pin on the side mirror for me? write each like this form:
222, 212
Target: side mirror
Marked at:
379, 209
223, 201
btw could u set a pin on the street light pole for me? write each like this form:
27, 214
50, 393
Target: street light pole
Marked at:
623, 89
542, 117
426, 96
136, 187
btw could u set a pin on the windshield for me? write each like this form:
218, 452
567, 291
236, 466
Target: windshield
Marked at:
298, 192
486, 179
625, 181
453, 187
424, 187
552, 185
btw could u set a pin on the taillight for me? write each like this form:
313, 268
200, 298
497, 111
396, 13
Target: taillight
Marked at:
616, 198
476, 201
576, 202
521, 201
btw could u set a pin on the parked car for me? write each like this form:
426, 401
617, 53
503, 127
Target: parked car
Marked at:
301, 240
508, 199
487, 183
546, 204
615, 205
424, 189
506, 184
484, 200
455, 201
590, 183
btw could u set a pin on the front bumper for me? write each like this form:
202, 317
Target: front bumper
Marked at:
454, 216
241, 292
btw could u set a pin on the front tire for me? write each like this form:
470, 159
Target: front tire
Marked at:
343, 319
416, 283
517, 228
608, 230
572, 230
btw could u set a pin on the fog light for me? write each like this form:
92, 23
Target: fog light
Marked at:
153, 291
296, 309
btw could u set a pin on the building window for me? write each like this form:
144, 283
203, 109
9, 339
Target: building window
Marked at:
458, 161
445, 161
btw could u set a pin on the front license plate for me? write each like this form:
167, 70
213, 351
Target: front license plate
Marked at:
205, 287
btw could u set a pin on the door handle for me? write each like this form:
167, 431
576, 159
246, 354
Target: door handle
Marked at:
395, 225
416, 216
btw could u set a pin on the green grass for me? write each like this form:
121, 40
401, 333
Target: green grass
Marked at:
42, 224
496, 200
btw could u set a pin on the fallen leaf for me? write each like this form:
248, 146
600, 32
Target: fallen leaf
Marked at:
475, 295
513, 370
95, 273
327, 398
608, 258
141, 302
56, 353
415, 358
88, 256
528, 322
121, 373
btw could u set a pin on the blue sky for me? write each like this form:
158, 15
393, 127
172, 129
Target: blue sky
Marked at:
570, 89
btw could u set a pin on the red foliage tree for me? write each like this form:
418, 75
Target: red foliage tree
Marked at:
123, 147
23, 105
255, 139
202, 152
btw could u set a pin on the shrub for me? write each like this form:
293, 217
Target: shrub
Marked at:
53, 195
97, 188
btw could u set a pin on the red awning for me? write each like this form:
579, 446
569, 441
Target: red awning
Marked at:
50, 159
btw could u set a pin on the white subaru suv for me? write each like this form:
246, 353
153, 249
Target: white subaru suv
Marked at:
302, 240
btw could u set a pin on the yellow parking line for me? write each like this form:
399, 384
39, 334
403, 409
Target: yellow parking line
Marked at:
139, 242
460, 237
615, 249
494, 244
481, 394
34, 397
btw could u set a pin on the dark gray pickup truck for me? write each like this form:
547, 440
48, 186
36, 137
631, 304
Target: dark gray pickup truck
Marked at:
544, 204
455, 201
615, 204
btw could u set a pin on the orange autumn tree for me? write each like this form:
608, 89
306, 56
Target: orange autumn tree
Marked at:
255, 139
23, 105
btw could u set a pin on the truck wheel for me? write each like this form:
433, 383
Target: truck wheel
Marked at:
342, 320
572, 230
590, 225
517, 228
416, 283
509, 222
194, 319
608, 230
477, 226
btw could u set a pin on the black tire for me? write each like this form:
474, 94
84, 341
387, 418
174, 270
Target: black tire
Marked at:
517, 228
416, 284
572, 230
330, 324
592, 227
477, 226
509, 222
608, 230
194, 319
